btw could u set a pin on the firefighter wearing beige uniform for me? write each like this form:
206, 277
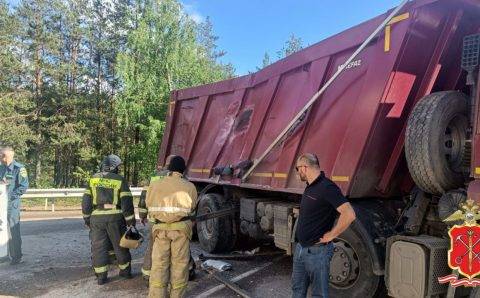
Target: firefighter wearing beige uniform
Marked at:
170, 201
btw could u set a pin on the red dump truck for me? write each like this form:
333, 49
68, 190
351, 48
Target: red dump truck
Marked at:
397, 130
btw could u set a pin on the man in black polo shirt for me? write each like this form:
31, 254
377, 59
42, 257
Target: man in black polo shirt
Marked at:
321, 202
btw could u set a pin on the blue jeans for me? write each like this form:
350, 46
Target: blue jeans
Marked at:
311, 265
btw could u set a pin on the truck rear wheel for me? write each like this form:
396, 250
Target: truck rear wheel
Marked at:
351, 269
436, 145
215, 235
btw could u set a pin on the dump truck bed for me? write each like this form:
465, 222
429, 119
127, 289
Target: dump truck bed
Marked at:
356, 128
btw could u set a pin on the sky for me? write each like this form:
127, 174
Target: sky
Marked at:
249, 28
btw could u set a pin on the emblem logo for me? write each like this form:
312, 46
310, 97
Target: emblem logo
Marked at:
464, 253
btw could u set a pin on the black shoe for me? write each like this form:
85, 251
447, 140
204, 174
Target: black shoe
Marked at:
125, 274
101, 278
146, 279
191, 270
16, 262
191, 274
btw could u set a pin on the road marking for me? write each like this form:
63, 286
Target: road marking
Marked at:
215, 289
51, 218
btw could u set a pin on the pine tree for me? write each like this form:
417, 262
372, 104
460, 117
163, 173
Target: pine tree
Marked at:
166, 51
292, 45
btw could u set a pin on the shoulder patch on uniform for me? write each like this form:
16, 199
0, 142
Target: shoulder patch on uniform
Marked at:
23, 172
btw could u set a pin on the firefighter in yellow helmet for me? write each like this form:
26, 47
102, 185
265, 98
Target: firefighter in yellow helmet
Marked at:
107, 207
170, 202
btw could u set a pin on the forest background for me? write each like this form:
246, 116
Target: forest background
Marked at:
80, 79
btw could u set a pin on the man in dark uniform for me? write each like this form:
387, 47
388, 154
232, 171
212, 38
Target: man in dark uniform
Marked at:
321, 202
15, 175
107, 208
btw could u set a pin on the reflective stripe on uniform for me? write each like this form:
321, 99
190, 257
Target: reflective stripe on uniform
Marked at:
179, 286
142, 210
106, 212
169, 209
125, 194
88, 192
130, 217
174, 226
157, 284
145, 272
105, 183
151, 220
100, 269
86, 215
156, 178
124, 266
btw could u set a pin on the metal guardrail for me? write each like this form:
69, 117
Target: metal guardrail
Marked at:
62, 193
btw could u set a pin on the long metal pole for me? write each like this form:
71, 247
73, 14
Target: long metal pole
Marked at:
322, 90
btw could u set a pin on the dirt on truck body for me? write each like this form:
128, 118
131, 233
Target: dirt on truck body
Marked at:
396, 131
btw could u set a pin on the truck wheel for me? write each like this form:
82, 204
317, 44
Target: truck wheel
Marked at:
436, 144
351, 270
215, 235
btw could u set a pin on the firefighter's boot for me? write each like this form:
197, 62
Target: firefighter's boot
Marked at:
101, 278
126, 273
191, 269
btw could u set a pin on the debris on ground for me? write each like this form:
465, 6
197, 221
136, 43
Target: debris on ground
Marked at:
218, 265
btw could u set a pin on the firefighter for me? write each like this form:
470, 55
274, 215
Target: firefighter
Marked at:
143, 212
107, 208
170, 202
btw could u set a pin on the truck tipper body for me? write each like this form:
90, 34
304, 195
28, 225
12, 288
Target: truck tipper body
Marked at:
396, 131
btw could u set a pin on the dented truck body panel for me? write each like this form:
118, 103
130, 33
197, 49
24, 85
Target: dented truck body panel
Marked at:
356, 127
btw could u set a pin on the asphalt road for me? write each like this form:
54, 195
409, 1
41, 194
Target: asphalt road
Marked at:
57, 264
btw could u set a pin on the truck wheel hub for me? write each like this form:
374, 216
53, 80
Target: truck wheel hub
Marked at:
454, 142
344, 266
208, 224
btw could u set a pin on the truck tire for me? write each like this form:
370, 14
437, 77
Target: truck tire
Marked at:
215, 235
436, 146
351, 268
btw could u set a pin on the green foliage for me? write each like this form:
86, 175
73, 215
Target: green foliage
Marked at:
292, 45
166, 51
14, 128
80, 79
